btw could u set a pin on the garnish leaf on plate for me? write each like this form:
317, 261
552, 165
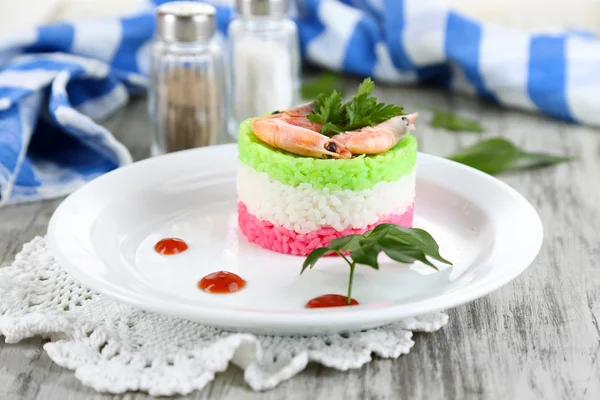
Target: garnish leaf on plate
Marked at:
498, 155
367, 253
314, 256
326, 82
360, 111
401, 244
404, 253
348, 243
419, 237
451, 122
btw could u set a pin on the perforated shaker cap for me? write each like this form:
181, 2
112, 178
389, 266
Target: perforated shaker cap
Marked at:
261, 7
185, 21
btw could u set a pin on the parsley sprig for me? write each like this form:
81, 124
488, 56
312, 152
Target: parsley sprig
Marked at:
401, 244
360, 111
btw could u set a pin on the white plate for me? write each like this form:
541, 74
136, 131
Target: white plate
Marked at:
103, 235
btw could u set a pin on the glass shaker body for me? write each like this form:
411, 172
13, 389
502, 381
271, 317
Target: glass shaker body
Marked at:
264, 54
187, 99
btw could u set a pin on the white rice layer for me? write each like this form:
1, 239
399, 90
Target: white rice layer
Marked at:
305, 208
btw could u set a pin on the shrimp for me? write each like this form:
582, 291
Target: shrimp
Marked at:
299, 111
378, 138
297, 116
278, 131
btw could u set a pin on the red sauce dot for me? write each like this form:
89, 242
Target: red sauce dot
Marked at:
330, 300
170, 246
221, 282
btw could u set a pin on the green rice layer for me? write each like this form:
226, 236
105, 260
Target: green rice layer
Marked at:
359, 173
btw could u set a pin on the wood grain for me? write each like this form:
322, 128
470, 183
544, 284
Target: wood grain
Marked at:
536, 338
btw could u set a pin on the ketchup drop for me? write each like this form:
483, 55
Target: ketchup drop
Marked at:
170, 246
221, 282
330, 300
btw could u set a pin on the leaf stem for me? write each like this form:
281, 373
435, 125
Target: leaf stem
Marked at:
349, 297
344, 257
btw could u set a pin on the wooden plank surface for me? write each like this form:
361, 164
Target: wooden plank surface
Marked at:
536, 338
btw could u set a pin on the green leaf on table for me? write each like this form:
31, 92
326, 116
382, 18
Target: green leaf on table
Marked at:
498, 155
326, 83
451, 122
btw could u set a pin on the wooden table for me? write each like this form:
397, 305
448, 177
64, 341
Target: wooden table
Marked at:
536, 338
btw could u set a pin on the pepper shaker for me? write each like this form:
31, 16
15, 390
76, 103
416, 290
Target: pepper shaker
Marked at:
264, 52
187, 96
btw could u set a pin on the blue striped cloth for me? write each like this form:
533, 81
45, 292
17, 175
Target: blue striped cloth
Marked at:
56, 80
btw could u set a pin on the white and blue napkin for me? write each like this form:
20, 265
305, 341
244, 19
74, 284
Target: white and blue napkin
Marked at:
57, 79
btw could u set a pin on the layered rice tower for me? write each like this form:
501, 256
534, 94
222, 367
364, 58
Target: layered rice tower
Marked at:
293, 204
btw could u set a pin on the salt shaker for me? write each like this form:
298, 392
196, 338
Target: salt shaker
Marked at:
264, 52
187, 97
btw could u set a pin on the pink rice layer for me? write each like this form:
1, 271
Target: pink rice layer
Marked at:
282, 240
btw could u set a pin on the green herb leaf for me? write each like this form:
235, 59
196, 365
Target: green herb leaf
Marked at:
452, 122
417, 237
497, 155
404, 253
367, 253
328, 111
326, 82
379, 232
381, 229
313, 257
360, 111
401, 244
347, 243
365, 88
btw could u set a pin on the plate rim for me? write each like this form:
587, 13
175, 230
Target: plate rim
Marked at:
325, 319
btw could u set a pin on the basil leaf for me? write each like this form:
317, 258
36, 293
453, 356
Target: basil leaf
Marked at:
379, 231
313, 257
347, 243
451, 122
405, 245
404, 253
418, 237
498, 155
366, 254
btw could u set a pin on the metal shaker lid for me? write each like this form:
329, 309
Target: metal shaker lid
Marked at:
261, 7
185, 21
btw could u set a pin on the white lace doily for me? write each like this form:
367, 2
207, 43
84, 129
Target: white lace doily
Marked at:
114, 347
